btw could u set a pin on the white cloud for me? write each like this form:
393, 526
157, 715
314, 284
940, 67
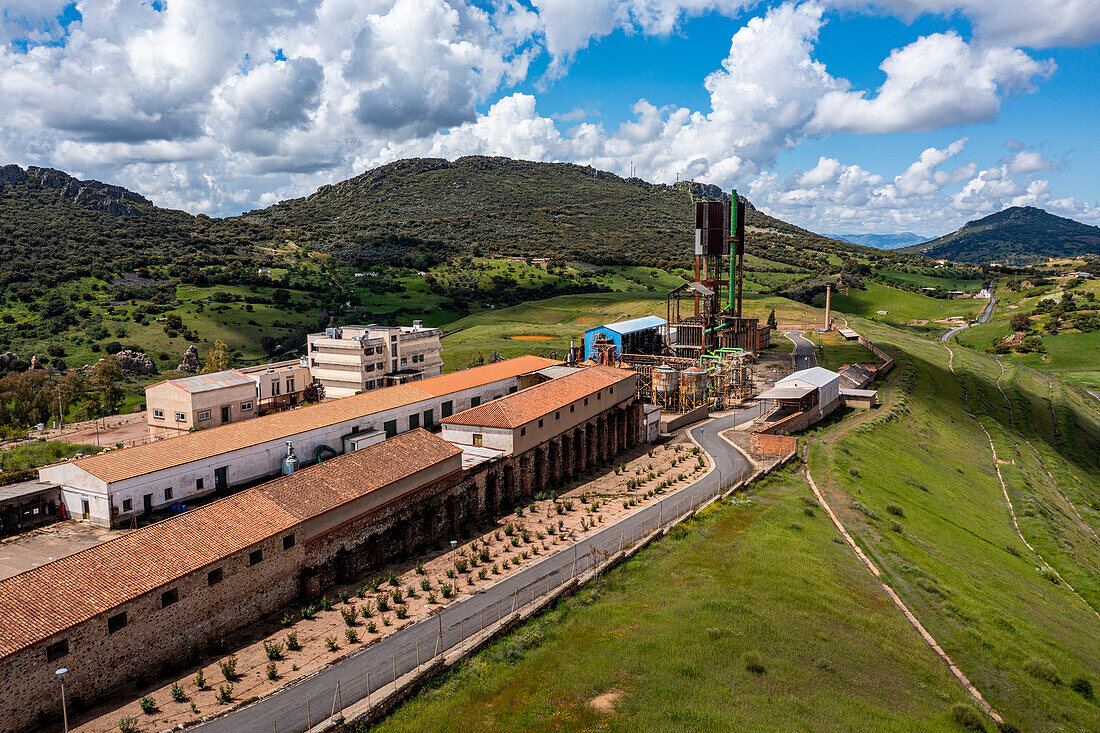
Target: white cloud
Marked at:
1029, 161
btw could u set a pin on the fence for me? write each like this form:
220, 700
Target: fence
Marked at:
388, 677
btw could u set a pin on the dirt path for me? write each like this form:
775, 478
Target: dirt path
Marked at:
1004, 489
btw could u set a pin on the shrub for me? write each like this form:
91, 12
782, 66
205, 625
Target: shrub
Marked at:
854, 471
274, 650
225, 694
364, 610
1082, 687
272, 671
396, 596
425, 584
409, 592
808, 511
450, 572
292, 642
1012, 550
432, 598
148, 705
352, 636
393, 579
895, 509
495, 569
383, 604
286, 620
966, 716
177, 693
326, 604
401, 611
419, 569
1041, 669
200, 680
484, 555
361, 592
461, 565
896, 526
385, 620
228, 667
482, 574
309, 612
127, 725
330, 643
372, 627
1048, 573
753, 662
447, 590
349, 615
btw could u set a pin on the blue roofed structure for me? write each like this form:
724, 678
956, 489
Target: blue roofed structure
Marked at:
635, 336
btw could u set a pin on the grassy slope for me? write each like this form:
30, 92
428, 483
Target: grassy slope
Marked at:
951, 560
903, 306
670, 627
669, 630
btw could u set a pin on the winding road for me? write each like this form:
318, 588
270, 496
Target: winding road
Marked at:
398, 652
983, 318
804, 354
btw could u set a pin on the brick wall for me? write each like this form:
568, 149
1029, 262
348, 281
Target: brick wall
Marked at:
772, 445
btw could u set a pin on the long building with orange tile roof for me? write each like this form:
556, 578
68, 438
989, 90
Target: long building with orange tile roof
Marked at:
114, 487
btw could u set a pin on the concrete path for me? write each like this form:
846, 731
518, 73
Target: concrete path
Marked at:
288, 707
804, 354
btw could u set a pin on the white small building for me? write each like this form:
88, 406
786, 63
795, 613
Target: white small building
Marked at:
821, 380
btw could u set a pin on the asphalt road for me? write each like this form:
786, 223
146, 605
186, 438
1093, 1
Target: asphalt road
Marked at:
983, 318
804, 355
288, 708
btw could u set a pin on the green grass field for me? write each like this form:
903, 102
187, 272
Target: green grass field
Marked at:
834, 351
930, 281
33, 455
903, 306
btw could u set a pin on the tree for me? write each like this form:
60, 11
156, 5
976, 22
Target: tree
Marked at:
104, 381
314, 392
772, 323
280, 296
1019, 322
217, 359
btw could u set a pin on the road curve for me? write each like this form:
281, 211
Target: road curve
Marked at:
288, 707
983, 318
804, 354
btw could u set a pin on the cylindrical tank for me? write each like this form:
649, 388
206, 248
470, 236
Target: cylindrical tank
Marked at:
290, 463
694, 381
665, 381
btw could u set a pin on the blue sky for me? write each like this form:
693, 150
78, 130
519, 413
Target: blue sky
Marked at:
837, 115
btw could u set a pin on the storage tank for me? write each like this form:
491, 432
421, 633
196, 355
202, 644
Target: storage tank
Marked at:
290, 463
665, 381
695, 384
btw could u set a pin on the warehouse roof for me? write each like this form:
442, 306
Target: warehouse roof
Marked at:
780, 392
520, 408
817, 376
634, 324
42, 601
171, 452
207, 382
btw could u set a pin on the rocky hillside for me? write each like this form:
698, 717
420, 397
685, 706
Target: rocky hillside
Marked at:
513, 207
1018, 235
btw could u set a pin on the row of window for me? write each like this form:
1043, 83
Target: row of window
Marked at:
158, 414
128, 504
557, 415
120, 620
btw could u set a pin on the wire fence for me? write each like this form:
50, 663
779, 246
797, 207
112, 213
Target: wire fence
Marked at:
492, 611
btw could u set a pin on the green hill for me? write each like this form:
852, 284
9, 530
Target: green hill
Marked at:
1018, 235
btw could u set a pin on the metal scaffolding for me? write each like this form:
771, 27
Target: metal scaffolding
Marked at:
719, 379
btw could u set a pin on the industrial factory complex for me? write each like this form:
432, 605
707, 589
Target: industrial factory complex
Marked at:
284, 505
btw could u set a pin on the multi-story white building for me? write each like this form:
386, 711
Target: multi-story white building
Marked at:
351, 359
279, 385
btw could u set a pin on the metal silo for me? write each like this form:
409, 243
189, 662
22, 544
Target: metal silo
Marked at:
694, 382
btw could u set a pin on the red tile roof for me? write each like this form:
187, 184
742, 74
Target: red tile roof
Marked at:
520, 408
43, 601
171, 452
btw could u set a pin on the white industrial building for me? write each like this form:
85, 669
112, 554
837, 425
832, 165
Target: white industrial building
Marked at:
113, 487
351, 359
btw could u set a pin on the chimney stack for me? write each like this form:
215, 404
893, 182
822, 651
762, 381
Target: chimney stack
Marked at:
828, 302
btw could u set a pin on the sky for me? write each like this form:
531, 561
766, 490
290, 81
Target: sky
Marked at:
841, 116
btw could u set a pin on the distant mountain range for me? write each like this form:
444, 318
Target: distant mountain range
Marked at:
880, 241
1017, 235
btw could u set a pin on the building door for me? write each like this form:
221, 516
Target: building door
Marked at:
148, 499
85, 510
225, 413
220, 480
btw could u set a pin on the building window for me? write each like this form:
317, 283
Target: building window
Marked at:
523, 431
477, 438
404, 361
414, 422
116, 622
214, 576
599, 395
246, 405
180, 417
586, 402
288, 541
204, 415
475, 401
158, 414
289, 385
427, 418
557, 415
168, 597
198, 484
168, 494
572, 408
390, 426
127, 505
512, 389
255, 556
57, 650
274, 387
611, 390
540, 423
448, 408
